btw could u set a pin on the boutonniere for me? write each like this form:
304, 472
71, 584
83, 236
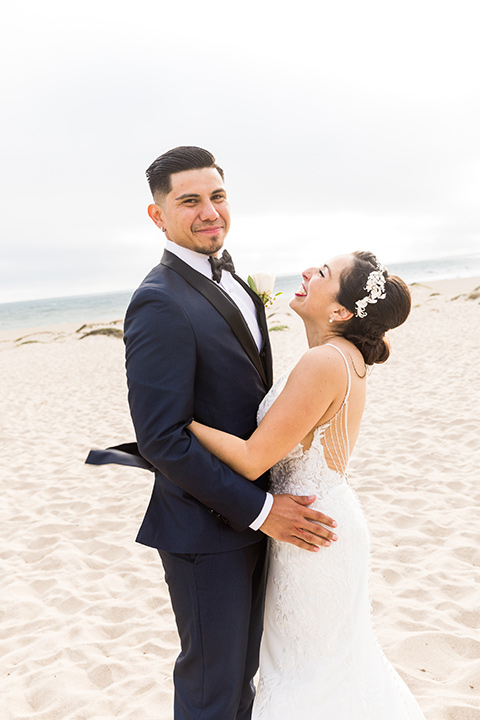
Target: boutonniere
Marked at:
263, 284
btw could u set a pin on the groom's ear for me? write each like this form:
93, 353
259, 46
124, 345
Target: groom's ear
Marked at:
155, 213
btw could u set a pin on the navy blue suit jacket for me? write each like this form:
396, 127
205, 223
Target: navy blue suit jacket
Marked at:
190, 354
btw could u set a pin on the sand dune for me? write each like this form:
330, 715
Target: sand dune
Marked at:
86, 627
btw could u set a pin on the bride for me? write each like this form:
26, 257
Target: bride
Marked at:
319, 656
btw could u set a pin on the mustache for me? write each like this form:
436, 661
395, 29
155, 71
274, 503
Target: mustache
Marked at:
204, 226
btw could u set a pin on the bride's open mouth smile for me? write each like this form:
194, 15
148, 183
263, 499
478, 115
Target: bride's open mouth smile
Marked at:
302, 291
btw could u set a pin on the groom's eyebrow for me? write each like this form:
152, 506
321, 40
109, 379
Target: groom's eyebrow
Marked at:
197, 195
187, 195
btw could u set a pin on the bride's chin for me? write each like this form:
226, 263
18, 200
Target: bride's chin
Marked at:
295, 305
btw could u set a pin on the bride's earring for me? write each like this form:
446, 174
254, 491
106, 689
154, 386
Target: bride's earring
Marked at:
331, 319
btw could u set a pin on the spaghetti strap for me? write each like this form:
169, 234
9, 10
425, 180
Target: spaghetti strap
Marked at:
348, 371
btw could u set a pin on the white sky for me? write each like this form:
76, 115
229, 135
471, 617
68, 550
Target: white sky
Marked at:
340, 124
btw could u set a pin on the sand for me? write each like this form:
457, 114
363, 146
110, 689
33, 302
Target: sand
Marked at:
86, 627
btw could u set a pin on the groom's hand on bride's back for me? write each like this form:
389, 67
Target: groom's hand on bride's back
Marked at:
291, 520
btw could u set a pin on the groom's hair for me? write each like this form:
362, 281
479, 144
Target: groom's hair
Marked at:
185, 157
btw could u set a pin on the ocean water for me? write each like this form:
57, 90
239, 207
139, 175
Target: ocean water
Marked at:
112, 306
101, 307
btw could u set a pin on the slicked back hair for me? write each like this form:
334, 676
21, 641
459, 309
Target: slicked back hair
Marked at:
184, 157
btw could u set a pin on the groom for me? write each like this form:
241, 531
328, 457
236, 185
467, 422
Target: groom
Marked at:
197, 347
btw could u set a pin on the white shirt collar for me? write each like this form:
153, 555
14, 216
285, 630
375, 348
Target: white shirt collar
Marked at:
196, 260
239, 295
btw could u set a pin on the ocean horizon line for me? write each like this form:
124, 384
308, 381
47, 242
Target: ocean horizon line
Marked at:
104, 305
429, 268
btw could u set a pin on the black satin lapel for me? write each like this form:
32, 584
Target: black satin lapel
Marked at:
266, 352
223, 304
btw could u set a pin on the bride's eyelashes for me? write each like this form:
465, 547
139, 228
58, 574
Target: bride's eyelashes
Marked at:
325, 271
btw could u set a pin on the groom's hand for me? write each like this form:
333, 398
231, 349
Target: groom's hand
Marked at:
291, 520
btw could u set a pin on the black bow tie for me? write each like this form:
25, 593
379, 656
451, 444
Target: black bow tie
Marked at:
223, 263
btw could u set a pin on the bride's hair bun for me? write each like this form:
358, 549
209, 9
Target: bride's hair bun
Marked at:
374, 349
368, 333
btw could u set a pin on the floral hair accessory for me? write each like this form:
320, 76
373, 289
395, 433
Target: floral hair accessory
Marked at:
375, 288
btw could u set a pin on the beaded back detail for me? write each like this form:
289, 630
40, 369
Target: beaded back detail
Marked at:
326, 458
334, 433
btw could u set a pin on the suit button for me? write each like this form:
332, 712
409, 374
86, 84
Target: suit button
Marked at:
219, 516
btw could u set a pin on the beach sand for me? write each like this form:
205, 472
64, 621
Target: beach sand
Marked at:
86, 627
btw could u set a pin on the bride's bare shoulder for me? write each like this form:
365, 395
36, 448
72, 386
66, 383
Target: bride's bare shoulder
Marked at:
323, 356
319, 365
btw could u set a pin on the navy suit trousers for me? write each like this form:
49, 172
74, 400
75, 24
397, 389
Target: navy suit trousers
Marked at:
218, 601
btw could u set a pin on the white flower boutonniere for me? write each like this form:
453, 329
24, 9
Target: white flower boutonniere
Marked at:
263, 284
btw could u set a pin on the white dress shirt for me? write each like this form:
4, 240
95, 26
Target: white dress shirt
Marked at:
245, 304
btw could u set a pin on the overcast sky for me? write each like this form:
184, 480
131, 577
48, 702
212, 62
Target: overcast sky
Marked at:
341, 125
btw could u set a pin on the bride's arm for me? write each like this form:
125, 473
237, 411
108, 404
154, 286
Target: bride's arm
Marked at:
312, 386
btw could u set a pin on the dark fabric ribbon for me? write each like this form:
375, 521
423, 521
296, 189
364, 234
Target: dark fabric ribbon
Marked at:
222, 263
124, 454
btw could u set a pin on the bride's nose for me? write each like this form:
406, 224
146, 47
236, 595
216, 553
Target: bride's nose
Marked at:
307, 274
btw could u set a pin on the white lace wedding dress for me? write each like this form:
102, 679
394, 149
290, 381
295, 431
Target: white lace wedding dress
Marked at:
319, 657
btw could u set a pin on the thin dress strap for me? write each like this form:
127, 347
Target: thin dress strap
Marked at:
348, 370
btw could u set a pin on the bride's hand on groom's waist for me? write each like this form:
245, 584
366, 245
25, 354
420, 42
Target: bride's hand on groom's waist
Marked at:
291, 520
